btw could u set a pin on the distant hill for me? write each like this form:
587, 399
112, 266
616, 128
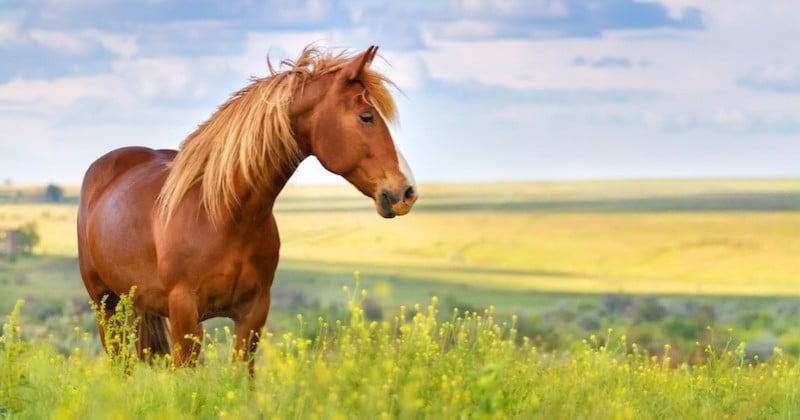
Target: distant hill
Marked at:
10, 193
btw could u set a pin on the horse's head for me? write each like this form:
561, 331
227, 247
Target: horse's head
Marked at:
347, 131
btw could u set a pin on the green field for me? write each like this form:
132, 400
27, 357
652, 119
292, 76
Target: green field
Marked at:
712, 238
687, 263
500, 244
420, 364
684, 237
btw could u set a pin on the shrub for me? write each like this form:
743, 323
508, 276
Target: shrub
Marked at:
27, 238
53, 193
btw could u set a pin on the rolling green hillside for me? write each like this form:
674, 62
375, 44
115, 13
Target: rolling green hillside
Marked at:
556, 253
717, 237
629, 299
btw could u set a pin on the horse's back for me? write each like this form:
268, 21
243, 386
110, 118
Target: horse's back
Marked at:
115, 214
114, 164
114, 170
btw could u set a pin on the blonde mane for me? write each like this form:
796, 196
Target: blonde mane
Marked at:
251, 134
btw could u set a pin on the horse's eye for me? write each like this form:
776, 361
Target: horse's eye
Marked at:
367, 118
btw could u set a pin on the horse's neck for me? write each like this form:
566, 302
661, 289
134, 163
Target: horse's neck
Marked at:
257, 201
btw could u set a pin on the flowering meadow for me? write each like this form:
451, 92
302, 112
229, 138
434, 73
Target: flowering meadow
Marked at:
422, 363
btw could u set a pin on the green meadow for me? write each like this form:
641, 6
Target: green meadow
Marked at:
614, 298
708, 237
692, 237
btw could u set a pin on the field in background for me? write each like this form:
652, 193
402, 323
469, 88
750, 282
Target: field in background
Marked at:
570, 258
678, 237
687, 237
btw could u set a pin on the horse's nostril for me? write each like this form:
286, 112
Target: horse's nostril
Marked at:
386, 198
410, 193
385, 204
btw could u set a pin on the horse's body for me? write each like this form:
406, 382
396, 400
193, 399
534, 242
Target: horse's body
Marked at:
193, 230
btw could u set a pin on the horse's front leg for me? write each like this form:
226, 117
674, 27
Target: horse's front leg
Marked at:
248, 330
185, 327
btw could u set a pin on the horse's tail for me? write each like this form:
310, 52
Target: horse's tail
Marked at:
153, 335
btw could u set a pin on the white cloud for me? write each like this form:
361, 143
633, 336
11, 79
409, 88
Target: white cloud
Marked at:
82, 42
723, 12
168, 78
22, 133
64, 42
653, 119
509, 8
773, 77
138, 80
468, 29
696, 73
8, 32
279, 45
117, 44
731, 118
677, 8
308, 11
132, 83
483, 19
33, 94
407, 70
36, 150
547, 64
135, 86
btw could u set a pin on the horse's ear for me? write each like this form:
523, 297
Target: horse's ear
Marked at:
352, 70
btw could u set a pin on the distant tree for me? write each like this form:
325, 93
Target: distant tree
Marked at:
7, 182
27, 237
53, 193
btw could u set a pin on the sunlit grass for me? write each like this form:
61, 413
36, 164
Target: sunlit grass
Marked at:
433, 361
599, 236
707, 253
420, 363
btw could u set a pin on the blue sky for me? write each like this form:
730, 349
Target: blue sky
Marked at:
492, 89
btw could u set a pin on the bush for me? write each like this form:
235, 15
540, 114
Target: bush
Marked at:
53, 193
27, 238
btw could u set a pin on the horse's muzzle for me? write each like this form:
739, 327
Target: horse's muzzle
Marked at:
390, 204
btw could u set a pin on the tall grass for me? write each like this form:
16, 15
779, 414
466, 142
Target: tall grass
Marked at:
420, 363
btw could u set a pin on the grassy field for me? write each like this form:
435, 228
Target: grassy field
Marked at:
425, 365
703, 237
709, 237
710, 268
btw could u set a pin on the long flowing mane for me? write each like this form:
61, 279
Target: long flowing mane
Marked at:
251, 133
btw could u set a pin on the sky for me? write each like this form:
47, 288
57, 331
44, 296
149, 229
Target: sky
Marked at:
491, 90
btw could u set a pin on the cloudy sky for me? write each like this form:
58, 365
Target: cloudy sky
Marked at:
491, 89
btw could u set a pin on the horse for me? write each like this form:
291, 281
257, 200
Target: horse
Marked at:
193, 229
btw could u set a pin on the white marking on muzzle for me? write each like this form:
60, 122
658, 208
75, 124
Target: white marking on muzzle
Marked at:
403, 164
405, 169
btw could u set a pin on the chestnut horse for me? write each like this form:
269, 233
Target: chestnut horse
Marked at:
193, 229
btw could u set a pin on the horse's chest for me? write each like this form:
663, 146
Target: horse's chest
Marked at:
228, 278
